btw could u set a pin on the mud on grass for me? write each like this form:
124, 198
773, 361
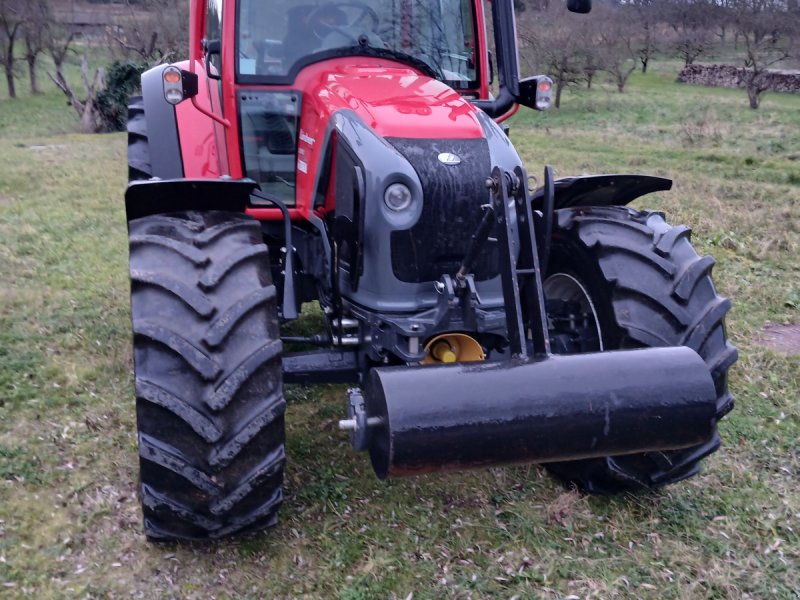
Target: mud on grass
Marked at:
69, 517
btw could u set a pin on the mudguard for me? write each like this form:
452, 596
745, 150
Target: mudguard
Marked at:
162, 127
144, 198
601, 190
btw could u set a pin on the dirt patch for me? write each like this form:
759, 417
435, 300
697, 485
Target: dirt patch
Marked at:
40, 147
783, 338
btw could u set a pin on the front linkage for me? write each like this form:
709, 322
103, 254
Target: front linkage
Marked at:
530, 406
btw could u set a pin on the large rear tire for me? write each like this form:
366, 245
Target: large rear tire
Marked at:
139, 164
642, 284
209, 398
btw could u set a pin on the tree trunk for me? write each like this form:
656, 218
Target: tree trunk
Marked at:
12, 90
644, 64
31, 59
559, 89
754, 96
89, 118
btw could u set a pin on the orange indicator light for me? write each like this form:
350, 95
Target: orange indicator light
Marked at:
172, 76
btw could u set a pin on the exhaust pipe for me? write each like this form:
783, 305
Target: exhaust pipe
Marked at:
452, 417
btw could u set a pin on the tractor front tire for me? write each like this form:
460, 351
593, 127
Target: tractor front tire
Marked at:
646, 287
207, 362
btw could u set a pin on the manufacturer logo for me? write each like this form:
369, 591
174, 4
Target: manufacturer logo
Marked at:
448, 158
304, 137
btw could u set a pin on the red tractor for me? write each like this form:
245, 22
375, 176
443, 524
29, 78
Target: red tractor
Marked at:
349, 153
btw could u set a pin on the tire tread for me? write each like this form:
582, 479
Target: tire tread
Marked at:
660, 293
208, 378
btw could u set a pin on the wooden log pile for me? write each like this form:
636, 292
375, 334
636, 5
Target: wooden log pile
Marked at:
734, 77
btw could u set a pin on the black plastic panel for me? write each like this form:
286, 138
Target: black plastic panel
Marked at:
162, 127
451, 212
601, 190
159, 196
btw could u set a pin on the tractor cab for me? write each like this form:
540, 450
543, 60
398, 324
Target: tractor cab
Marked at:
407, 69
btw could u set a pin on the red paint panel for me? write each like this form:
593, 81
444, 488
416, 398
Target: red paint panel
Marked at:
198, 134
391, 98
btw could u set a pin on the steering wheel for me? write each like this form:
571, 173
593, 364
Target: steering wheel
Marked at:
321, 29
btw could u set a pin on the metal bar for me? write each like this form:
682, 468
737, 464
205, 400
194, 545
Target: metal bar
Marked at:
506, 234
548, 213
477, 242
326, 366
289, 308
532, 303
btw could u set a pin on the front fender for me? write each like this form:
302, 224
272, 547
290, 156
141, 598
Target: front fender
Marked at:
162, 127
158, 196
601, 190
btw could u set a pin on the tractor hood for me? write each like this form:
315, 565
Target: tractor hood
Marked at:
397, 101
378, 123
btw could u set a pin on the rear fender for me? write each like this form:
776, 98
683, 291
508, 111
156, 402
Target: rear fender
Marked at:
153, 197
601, 190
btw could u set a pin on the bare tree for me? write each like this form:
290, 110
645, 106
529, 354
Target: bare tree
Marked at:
11, 21
646, 45
690, 22
647, 42
615, 45
591, 65
87, 108
558, 40
770, 35
58, 38
37, 16
152, 31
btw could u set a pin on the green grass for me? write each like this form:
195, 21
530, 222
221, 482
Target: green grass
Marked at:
69, 517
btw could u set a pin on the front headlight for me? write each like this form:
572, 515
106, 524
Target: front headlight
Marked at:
398, 197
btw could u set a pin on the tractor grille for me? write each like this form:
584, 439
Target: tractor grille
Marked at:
451, 212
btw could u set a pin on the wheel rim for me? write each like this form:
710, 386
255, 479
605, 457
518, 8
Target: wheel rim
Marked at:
568, 289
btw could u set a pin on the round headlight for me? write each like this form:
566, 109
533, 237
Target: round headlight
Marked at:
397, 197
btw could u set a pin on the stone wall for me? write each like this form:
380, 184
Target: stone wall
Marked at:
733, 77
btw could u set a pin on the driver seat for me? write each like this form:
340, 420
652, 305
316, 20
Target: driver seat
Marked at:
301, 36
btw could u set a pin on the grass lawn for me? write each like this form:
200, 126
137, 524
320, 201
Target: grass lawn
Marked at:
69, 516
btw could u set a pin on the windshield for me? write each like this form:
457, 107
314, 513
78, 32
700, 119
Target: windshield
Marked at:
277, 37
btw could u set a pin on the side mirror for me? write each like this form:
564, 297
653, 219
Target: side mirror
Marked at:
213, 51
579, 6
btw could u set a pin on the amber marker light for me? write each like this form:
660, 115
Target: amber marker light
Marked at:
173, 85
544, 93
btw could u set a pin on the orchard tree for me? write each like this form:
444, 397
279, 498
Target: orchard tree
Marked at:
12, 18
38, 16
769, 30
615, 43
152, 31
690, 22
558, 40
